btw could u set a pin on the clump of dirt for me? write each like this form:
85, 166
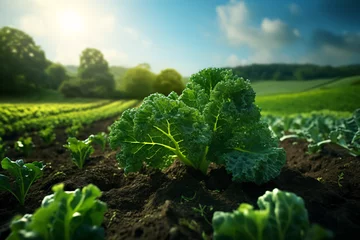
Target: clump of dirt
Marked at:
178, 203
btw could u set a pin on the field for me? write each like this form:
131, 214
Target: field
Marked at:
178, 202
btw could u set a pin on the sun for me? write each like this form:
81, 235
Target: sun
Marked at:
70, 22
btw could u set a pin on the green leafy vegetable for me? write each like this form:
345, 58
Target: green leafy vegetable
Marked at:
282, 215
64, 216
80, 150
100, 139
213, 120
24, 145
25, 175
47, 135
73, 130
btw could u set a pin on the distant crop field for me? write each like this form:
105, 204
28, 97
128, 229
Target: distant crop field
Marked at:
344, 99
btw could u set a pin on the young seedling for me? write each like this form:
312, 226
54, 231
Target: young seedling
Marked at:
24, 145
202, 210
73, 130
64, 215
100, 139
47, 135
25, 175
340, 177
80, 150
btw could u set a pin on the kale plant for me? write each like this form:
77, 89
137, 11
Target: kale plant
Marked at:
24, 145
215, 120
47, 135
281, 215
80, 150
100, 139
64, 216
24, 173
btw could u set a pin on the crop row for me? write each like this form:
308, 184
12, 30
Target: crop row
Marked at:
15, 112
83, 117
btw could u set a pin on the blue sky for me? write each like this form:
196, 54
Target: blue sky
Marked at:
189, 35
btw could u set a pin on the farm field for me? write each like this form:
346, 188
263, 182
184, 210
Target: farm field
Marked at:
179, 201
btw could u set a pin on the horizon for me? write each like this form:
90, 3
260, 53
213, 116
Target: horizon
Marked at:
191, 36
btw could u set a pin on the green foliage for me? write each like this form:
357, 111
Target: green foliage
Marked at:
47, 135
167, 81
96, 79
139, 82
100, 138
281, 215
80, 150
56, 74
214, 120
64, 216
24, 145
22, 63
24, 173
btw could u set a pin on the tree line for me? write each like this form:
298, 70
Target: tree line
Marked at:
283, 72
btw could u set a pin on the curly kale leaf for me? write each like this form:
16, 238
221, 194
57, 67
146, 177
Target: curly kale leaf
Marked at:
158, 131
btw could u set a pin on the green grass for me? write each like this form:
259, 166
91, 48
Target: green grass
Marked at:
344, 99
271, 87
348, 81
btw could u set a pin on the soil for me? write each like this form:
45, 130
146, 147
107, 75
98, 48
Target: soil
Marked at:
154, 204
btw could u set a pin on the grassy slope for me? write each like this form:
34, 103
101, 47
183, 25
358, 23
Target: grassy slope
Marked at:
343, 99
270, 87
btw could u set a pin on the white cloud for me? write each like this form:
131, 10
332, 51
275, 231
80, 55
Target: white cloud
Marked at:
272, 34
294, 9
233, 61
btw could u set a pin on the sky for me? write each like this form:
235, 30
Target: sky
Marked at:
189, 35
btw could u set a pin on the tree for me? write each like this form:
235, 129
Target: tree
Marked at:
94, 74
56, 74
22, 62
138, 82
167, 81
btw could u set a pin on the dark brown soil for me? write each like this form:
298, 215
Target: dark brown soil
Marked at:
155, 204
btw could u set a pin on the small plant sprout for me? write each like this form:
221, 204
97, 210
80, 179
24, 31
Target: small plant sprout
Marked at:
202, 210
25, 175
24, 145
187, 199
340, 177
80, 150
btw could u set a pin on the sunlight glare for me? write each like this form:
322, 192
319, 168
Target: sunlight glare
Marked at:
71, 22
